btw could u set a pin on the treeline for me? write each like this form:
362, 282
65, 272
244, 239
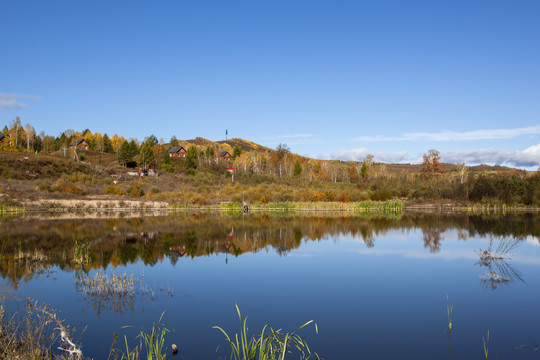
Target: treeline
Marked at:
274, 175
25, 138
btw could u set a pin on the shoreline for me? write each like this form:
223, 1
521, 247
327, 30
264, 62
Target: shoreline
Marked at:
93, 206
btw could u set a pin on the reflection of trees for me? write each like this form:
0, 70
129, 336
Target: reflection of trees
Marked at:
121, 241
432, 239
495, 261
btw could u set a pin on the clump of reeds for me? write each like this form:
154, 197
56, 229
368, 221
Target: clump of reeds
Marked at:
117, 292
270, 344
102, 285
152, 343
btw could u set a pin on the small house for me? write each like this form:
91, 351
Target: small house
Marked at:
177, 151
81, 145
4, 138
224, 155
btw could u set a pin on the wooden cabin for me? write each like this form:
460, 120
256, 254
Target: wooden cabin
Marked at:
81, 145
225, 156
177, 151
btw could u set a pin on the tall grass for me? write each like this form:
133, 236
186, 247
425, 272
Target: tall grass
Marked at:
270, 344
152, 342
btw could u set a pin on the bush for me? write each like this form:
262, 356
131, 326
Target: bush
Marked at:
167, 168
113, 190
67, 188
198, 200
135, 190
44, 186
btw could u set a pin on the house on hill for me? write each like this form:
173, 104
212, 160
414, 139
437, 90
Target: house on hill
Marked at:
4, 138
177, 151
80, 145
224, 155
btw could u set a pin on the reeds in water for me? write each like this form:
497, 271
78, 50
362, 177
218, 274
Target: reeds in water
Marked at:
116, 292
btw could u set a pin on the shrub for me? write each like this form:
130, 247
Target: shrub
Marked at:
67, 188
135, 190
113, 190
167, 168
198, 200
44, 186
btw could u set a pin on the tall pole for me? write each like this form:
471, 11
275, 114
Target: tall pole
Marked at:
226, 134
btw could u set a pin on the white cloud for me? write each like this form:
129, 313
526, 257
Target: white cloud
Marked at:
13, 101
530, 157
360, 153
447, 135
526, 158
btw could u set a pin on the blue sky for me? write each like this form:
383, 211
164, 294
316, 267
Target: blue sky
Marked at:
332, 79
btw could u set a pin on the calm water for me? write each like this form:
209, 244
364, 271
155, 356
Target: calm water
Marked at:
377, 287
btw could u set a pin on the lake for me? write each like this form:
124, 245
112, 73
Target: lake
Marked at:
378, 287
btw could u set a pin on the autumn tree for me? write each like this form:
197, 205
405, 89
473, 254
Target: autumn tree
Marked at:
431, 164
29, 133
15, 131
462, 172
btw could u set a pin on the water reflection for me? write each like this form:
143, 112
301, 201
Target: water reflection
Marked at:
30, 248
498, 271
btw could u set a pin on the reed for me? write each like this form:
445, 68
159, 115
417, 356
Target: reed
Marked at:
486, 345
449, 309
152, 342
270, 344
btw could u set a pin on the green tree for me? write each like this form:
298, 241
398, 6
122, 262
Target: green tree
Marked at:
147, 156
363, 170
107, 144
133, 147
166, 157
297, 168
237, 151
124, 153
191, 158
174, 141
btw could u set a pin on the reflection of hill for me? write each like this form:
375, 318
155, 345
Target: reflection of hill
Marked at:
28, 247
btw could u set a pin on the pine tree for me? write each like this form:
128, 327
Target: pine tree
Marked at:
237, 151
297, 168
191, 158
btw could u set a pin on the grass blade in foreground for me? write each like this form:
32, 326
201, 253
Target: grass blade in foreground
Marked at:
267, 346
